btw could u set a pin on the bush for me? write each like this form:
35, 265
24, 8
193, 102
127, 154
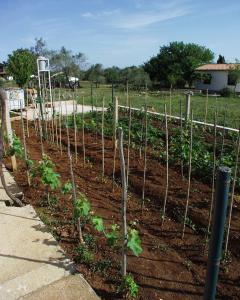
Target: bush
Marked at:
2, 81
226, 92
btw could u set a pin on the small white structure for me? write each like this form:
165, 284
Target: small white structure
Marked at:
15, 98
217, 77
44, 78
73, 79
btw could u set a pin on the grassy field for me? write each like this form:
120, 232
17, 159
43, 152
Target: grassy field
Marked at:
227, 107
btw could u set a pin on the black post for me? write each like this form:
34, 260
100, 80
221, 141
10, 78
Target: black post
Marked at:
215, 248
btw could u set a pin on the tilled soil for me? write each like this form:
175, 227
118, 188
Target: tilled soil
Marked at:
169, 267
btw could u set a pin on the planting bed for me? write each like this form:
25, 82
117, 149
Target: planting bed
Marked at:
168, 267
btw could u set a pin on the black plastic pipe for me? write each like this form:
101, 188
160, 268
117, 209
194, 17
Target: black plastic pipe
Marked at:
219, 218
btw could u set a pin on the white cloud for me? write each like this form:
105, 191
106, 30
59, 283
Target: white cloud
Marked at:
144, 14
140, 20
88, 15
104, 13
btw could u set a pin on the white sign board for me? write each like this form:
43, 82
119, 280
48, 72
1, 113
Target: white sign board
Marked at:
15, 99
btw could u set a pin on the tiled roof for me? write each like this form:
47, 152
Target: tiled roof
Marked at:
216, 67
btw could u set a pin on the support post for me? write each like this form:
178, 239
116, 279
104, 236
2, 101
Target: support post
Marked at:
92, 96
115, 119
112, 93
215, 248
188, 105
9, 132
124, 202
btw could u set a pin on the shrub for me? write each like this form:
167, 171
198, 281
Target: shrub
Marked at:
226, 92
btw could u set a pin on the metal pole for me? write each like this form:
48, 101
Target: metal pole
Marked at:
215, 248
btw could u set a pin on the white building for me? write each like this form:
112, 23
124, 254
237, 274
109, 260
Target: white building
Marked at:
217, 77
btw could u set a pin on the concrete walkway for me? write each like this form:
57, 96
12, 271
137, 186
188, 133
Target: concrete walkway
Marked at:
32, 264
63, 107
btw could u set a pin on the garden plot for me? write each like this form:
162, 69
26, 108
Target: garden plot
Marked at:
171, 265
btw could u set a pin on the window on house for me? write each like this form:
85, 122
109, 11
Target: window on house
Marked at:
207, 78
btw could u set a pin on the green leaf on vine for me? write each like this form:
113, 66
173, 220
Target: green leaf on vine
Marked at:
98, 223
82, 206
134, 242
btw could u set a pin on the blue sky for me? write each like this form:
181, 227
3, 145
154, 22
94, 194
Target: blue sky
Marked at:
120, 32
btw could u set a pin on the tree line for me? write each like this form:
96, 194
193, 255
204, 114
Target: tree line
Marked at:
173, 66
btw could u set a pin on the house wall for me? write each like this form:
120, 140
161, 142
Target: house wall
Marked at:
218, 82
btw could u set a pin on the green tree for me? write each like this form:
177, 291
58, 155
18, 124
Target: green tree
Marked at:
221, 59
71, 65
40, 47
96, 74
112, 75
175, 63
136, 77
234, 74
21, 65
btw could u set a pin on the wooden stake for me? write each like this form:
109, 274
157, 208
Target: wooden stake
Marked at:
60, 122
81, 240
181, 135
9, 133
141, 139
75, 131
167, 167
103, 150
232, 193
115, 120
115, 124
206, 109
170, 101
189, 175
145, 159
129, 140
25, 147
27, 116
127, 98
83, 134
223, 134
40, 128
213, 176
124, 202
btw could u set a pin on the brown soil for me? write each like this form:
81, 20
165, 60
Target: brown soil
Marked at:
169, 267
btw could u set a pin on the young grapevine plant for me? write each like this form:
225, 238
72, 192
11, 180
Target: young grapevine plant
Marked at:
48, 176
82, 209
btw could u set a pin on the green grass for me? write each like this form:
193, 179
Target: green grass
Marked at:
157, 100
